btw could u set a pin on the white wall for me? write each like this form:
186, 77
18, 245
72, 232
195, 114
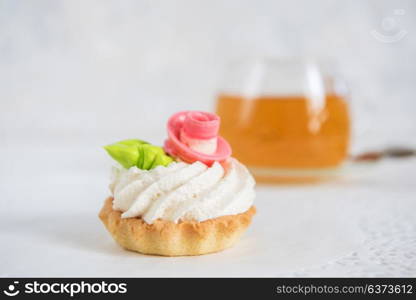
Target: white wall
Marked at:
92, 72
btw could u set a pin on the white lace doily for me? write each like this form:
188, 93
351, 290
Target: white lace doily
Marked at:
388, 250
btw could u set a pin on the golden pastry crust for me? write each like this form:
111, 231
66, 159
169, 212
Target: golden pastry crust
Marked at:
171, 239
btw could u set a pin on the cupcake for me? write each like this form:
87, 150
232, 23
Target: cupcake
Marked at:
188, 198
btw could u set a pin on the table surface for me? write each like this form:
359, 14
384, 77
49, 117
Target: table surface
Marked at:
361, 224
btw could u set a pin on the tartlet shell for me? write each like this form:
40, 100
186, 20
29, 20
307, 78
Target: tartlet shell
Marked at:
175, 239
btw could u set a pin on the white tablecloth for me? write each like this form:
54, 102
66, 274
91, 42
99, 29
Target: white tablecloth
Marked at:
362, 224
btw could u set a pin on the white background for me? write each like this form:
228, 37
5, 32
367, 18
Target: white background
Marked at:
76, 75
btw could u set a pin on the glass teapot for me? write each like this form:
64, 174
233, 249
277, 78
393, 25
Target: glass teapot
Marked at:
286, 119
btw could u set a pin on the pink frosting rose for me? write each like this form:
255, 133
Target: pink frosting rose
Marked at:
193, 136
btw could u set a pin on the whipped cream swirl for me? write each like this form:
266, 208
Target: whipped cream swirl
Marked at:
183, 191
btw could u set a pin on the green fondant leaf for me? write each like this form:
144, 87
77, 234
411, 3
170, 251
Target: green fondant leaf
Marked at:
132, 142
150, 153
140, 161
134, 152
127, 156
161, 160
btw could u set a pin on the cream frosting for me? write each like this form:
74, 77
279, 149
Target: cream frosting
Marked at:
183, 191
